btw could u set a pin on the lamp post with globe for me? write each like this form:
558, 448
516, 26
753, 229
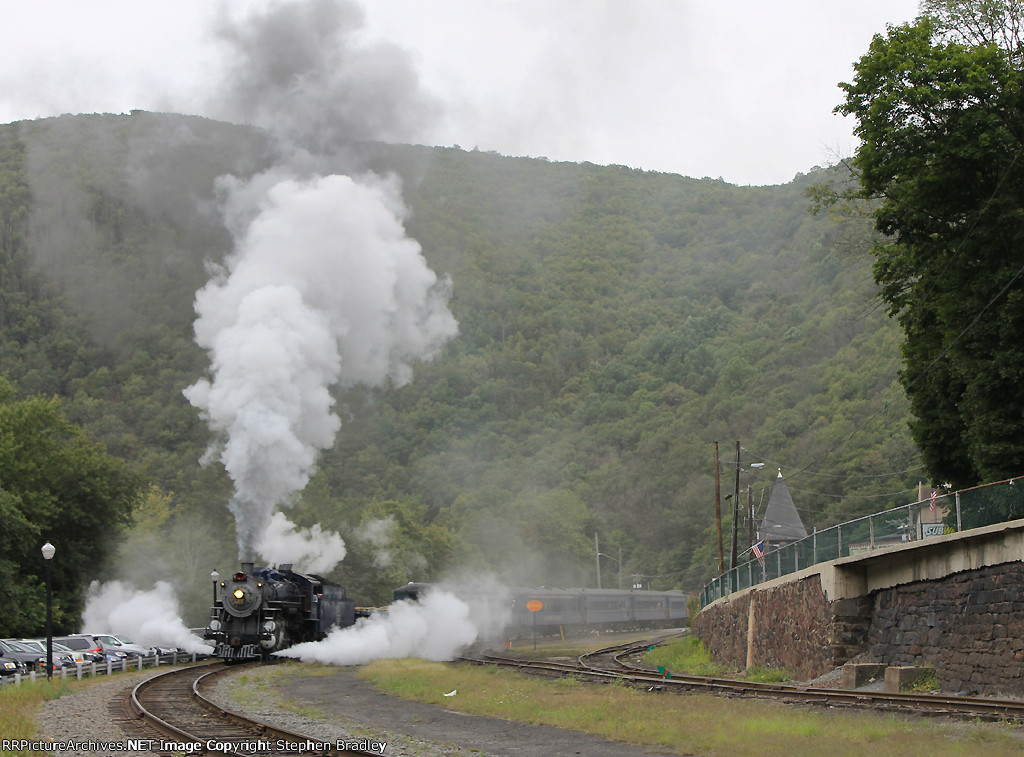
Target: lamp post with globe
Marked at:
48, 552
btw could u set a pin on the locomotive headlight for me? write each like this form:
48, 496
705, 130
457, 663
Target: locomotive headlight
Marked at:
239, 593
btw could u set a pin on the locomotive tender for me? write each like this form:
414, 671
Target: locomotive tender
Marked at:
262, 610
572, 609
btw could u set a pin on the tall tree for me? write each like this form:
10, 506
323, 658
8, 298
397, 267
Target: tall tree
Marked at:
57, 486
939, 111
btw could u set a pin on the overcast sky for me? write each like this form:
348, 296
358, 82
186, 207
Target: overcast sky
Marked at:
738, 89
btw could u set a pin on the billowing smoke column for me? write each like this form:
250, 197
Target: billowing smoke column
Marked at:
305, 71
323, 289
316, 550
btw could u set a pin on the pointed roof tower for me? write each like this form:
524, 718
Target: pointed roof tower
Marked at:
781, 523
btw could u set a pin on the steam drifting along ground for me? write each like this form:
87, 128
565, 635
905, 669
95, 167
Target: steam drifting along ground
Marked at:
148, 618
435, 628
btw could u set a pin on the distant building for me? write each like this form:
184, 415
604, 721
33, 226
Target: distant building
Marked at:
781, 523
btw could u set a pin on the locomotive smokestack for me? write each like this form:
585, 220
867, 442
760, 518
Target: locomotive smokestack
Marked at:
247, 568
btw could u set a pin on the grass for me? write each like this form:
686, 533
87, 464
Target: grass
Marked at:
688, 656
685, 724
19, 707
694, 724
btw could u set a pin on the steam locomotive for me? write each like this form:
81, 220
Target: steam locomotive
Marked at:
262, 610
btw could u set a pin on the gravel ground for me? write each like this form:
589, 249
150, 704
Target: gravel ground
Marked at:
334, 707
337, 704
85, 716
266, 705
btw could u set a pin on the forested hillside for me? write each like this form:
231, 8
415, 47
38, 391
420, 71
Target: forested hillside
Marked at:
613, 324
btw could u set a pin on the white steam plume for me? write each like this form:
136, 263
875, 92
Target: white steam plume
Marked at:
435, 628
323, 288
315, 550
147, 618
379, 533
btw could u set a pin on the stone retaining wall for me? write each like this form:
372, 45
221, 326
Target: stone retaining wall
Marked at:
790, 626
969, 626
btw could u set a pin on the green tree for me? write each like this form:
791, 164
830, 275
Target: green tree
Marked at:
939, 111
56, 485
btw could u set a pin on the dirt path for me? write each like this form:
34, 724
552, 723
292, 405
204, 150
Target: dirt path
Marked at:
345, 696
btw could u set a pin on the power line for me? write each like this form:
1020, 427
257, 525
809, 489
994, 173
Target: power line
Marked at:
862, 496
777, 464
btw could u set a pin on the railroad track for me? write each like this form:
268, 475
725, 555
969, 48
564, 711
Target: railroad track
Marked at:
172, 714
612, 664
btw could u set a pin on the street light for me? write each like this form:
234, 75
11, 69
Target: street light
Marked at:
48, 551
215, 576
619, 561
736, 504
750, 509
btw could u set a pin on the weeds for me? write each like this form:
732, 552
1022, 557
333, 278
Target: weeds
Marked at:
927, 681
684, 724
687, 656
19, 706
767, 675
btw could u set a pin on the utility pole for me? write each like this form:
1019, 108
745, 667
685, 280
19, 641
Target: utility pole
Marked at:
597, 560
718, 514
620, 566
735, 509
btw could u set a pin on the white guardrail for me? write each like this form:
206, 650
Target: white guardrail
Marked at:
82, 669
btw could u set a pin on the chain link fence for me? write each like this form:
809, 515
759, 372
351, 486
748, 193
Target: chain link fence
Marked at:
941, 513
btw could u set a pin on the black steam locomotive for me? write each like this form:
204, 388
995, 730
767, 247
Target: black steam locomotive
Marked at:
262, 610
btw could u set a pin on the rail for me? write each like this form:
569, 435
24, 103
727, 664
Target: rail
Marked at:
944, 513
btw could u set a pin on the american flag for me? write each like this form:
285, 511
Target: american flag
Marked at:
758, 550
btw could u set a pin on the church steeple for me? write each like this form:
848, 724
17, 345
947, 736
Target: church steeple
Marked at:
781, 523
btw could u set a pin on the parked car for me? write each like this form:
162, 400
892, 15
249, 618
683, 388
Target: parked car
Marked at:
60, 660
89, 647
28, 645
39, 645
10, 665
31, 660
78, 655
111, 643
